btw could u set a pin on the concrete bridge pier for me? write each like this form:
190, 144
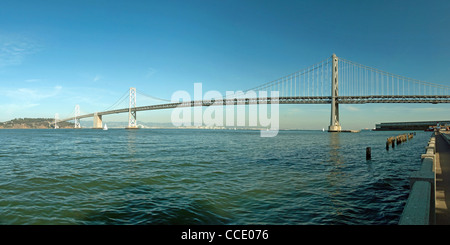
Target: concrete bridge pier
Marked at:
98, 123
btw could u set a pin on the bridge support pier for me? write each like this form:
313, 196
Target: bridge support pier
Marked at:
98, 123
334, 122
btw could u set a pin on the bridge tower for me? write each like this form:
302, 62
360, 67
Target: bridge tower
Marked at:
132, 122
334, 122
77, 114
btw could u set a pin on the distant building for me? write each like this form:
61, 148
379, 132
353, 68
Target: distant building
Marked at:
410, 125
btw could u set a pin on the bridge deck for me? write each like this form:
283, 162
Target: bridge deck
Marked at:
434, 99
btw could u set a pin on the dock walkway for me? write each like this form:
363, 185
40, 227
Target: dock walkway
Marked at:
442, 180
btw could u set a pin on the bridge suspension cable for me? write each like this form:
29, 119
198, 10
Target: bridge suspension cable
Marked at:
122, 102
361, 80
152, 97
311, 81
122, 98
354, 80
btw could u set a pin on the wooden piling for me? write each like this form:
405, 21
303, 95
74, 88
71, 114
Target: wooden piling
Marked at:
368, 153
389, 141
398, 139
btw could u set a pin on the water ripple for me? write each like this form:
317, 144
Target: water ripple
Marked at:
202, 177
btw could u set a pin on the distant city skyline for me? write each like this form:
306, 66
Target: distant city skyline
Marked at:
57, 54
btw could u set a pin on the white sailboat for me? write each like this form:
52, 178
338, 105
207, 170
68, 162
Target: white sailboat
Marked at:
105, 127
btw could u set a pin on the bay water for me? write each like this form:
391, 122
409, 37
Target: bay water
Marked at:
193, 176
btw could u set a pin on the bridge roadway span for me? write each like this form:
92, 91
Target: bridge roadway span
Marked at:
434, 99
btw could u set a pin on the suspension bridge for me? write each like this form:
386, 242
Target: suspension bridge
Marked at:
332, 81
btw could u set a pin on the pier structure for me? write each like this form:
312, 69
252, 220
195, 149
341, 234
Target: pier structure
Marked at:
429, 199
443, 178
401, 126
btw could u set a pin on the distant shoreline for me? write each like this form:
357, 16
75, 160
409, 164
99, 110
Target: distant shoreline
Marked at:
33, 123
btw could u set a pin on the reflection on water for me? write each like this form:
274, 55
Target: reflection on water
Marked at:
335, 175
334, 146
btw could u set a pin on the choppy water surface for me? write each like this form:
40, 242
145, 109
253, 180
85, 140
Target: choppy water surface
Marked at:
174, 176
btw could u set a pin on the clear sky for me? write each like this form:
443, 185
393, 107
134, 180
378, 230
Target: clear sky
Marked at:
56, 54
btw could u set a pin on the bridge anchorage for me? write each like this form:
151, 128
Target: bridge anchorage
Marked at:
351, 83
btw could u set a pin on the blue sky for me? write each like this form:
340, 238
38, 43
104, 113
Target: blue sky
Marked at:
56, 54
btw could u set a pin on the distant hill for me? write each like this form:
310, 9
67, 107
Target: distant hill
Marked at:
31, 123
